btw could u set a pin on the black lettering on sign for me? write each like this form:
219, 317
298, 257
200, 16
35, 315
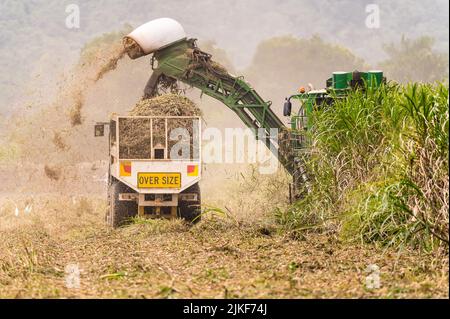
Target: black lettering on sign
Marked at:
159, 181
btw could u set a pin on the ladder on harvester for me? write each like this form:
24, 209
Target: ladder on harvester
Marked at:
300, 145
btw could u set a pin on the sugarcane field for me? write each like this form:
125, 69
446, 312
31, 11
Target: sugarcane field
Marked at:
238, 150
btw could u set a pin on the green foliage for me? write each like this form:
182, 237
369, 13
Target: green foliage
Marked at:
379, 163
415, 60
382, 214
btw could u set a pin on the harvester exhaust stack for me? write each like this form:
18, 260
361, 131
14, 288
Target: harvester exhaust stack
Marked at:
152, 36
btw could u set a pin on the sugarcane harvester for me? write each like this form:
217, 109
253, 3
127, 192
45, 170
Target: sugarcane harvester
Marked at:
177, 58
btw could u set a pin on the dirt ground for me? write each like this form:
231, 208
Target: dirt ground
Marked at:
220, 257
53, 202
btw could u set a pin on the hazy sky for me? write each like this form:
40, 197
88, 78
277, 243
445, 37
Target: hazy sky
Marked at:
33, 33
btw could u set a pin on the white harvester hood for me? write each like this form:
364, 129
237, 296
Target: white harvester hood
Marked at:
157, 34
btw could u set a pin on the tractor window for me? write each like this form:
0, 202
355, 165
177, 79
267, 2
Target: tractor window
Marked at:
302, 119
158, 153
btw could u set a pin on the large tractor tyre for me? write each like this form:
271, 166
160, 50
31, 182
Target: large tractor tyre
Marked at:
119, 212
191, 210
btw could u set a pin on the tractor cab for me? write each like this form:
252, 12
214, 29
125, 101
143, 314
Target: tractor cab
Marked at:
338, 86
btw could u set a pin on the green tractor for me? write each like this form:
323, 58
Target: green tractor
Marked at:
337, 87
177, 58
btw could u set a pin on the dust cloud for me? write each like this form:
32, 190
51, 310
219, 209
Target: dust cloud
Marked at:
58, 150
